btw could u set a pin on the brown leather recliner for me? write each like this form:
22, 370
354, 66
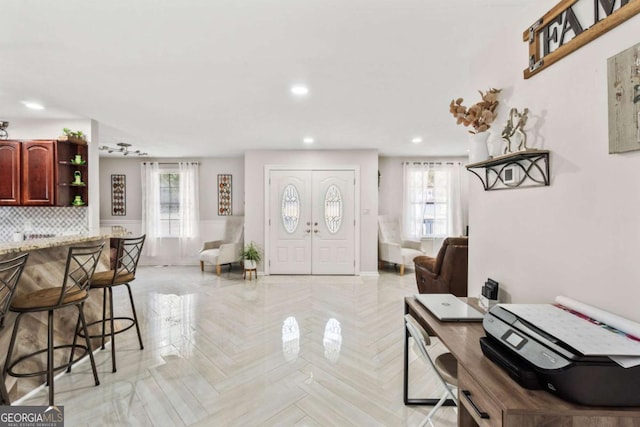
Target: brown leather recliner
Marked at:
447, 272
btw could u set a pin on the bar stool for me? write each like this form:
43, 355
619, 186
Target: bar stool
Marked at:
128, 253
10, 271
80, 266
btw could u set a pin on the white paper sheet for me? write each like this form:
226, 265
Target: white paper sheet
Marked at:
620, 323
584, 336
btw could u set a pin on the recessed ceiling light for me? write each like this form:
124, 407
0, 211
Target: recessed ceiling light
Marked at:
308, 140
417, 140
299, 90
33, 105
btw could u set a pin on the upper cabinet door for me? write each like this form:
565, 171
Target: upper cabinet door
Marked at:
10, 163
38, 173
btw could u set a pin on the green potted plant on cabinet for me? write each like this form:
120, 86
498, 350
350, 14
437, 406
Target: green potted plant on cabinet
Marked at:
75, 137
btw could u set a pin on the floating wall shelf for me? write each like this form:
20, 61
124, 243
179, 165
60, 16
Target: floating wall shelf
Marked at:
528, 167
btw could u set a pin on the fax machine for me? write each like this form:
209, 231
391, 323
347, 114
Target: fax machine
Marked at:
537, 360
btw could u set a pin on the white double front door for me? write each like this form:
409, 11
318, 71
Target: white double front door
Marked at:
311, 222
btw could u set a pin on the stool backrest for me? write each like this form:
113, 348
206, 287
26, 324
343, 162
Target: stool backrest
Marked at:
10, 272
81, 264
129, 251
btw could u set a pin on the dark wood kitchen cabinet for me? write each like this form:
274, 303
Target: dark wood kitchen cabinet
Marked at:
10, 173
43, 173
38, 173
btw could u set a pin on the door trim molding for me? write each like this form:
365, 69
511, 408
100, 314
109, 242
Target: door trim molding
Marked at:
311, 167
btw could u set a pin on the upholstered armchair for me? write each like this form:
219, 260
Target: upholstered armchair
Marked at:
391, 247
225, 251
447, 272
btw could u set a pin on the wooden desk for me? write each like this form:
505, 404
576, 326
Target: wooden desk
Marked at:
484, 385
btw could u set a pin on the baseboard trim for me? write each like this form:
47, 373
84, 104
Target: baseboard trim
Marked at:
369, 274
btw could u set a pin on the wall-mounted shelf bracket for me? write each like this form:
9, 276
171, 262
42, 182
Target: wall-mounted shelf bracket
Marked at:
527, 168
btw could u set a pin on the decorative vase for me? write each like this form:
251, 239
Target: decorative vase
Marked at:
478, 151
496, 146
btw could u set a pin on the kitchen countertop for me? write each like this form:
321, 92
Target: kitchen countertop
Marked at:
49, 242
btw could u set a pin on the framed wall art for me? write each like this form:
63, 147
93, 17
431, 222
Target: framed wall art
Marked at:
118, 195
623, 81
225, 206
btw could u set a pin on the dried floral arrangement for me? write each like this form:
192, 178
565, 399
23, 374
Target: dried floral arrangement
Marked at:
480, 115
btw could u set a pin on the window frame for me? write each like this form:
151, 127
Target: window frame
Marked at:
434, 224
170, 227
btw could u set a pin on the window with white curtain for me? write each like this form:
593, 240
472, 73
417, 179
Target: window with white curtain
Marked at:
432, 200
170, 204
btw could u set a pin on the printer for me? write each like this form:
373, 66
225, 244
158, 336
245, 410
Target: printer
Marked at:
535, 359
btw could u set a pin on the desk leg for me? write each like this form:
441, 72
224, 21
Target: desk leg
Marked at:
405, 376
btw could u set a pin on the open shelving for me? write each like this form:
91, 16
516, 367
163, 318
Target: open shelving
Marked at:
527, 168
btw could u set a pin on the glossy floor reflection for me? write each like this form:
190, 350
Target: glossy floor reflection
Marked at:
280, 350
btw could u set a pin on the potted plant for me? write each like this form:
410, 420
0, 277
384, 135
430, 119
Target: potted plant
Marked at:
479, 116
251, 256
76, 137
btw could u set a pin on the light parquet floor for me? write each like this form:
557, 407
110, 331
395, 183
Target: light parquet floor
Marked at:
277, 351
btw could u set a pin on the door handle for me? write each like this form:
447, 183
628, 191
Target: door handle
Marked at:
308, 230
308, 223
315, 223
315, 231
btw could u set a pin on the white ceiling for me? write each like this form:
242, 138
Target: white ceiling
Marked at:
212, 77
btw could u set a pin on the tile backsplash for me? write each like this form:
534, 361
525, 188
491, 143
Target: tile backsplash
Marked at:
42, 220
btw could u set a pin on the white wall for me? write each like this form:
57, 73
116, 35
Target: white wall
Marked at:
211, 225
255, 162
580, 237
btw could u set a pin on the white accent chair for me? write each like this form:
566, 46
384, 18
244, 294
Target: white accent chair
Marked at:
391, 247
225, 251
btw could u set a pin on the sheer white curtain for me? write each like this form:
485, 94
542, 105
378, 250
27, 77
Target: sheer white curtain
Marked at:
456, 212
416, 182
150, 174
189, 208
432, 201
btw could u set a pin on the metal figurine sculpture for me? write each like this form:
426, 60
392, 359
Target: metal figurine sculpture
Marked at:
514, 127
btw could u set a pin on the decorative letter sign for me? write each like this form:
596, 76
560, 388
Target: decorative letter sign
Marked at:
570, 25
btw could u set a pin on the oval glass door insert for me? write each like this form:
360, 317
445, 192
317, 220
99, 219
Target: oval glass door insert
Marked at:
290, 210
333, 209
